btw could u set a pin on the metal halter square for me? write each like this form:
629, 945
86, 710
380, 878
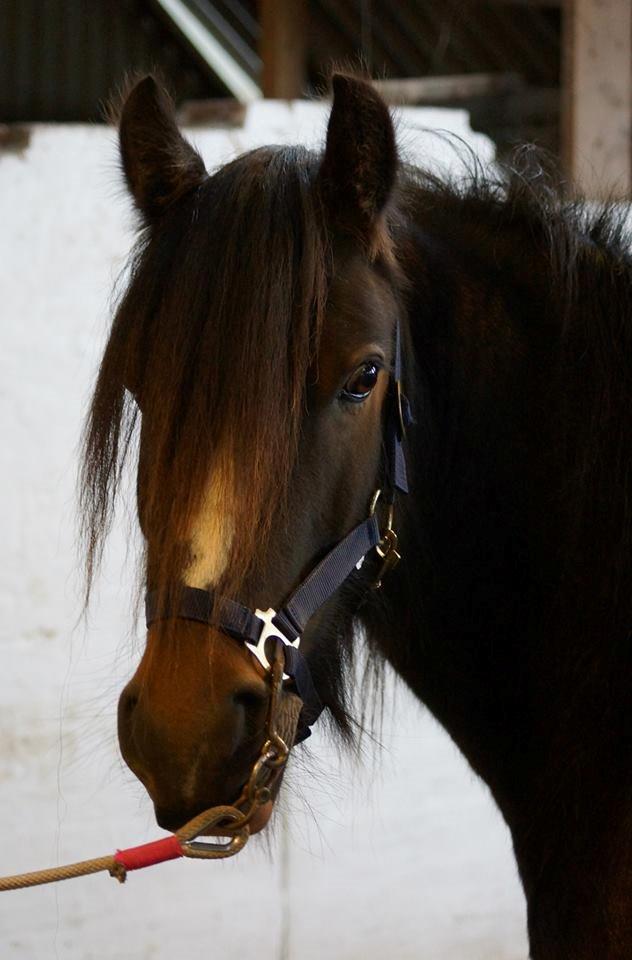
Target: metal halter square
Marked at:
269, 630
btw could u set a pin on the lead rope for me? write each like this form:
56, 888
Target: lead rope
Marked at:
281, 726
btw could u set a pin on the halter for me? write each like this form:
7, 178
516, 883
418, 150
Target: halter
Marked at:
259, 628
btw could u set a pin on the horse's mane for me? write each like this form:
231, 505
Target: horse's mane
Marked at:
571, 261
525, 198
214, 335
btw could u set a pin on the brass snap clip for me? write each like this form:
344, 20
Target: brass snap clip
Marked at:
386, 549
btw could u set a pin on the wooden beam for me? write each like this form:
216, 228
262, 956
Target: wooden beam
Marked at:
449, 89
283, 48
212, 113
597, 96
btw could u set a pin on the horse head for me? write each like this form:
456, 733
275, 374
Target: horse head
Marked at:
255, 342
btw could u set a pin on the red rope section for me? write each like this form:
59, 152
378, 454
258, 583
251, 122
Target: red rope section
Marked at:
147, 854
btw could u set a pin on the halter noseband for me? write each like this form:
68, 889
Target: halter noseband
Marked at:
286, 626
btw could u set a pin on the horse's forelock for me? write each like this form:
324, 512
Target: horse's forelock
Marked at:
214, 335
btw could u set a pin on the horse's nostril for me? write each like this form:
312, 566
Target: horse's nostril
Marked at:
128, 703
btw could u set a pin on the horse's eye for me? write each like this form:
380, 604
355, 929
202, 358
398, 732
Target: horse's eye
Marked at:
360, 384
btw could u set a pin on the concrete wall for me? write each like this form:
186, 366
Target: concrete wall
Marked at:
401, 855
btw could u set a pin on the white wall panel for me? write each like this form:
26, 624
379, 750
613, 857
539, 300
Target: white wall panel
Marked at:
401, 856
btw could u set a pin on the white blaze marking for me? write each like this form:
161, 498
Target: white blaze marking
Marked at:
189, 783
211, 536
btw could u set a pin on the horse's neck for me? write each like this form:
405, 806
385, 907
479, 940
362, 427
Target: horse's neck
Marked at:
520, 520
499, 619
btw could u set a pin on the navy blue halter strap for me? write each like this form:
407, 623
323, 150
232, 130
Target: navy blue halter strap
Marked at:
398, 419
258, 628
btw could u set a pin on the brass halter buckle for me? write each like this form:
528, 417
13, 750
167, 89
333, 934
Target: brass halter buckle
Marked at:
386, 549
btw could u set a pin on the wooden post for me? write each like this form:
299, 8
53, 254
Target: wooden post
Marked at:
597, 96
283, 48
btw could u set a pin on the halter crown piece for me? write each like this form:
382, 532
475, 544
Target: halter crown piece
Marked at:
256, 629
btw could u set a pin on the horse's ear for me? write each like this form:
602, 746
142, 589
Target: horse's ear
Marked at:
360, 162
159, 164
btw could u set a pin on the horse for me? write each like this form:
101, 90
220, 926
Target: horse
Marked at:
285, 319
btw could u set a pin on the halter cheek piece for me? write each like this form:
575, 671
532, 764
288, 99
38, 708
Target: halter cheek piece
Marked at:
259, 628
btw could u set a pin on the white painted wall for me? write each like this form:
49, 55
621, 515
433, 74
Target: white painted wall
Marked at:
399, 856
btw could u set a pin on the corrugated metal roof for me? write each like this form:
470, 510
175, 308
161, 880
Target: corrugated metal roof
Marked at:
438, 37
61, 59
